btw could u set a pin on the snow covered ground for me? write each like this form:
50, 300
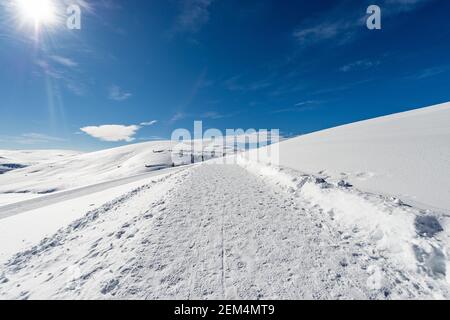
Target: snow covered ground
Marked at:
85, 169
220, 231
27, 223
25, 158
50, 172
406, 155
355, 212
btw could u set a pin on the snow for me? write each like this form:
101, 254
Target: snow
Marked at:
20, 231
411, 241
18, 159
187, 238
226, 231
30, 157
355, 212
406, 155
87, 168
66, 171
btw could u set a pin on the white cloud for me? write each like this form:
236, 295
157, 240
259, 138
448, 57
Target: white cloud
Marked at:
213, 115
359, 65
302, 103
429, 72
55, 68
149, 123
406, 5
343, 26
118, 94
319, 32
112, 132
301, 106
64, 61
178, 116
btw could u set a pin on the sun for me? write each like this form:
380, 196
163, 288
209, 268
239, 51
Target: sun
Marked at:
38, 12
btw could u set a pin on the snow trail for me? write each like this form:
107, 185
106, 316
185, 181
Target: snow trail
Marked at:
210, 232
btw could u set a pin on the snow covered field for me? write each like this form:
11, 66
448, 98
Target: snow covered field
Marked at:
356, 212
50, 172
83, 169
406, 155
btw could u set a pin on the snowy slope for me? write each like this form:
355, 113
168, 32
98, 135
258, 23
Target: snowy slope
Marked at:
17, 159
86, 168
306, 229
406, 155
28, 224
58, 173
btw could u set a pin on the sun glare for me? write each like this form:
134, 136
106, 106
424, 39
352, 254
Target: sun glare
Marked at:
39, 12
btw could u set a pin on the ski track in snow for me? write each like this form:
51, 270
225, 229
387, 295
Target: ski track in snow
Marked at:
210, 232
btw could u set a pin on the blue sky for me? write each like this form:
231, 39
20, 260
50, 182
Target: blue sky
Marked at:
149, 67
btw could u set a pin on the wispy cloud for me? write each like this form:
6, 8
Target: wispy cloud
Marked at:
214, 115
41, 136
64, 61
340, 25
32, 138
178, 116
63, 71
85, 5
48, 70
112, 132
320, 32
238, 83
359, 65
406, 5
118, 94
429, 72
301, 106
77, 88
342, 87
197, 86
343, 26
193, 15
149, 123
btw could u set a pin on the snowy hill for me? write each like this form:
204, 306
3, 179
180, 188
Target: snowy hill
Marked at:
406, 155
354, 212
86, 168
18, 159
46, 172
55, 174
